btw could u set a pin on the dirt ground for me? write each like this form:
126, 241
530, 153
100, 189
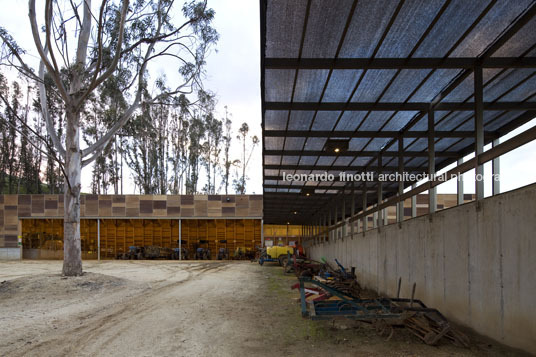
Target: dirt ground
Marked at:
158, 308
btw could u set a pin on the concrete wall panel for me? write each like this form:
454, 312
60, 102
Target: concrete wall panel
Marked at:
475, 263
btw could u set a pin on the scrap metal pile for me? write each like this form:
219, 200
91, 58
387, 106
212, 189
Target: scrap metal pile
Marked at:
328, 293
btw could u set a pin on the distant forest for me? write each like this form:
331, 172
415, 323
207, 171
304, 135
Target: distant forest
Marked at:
175, 146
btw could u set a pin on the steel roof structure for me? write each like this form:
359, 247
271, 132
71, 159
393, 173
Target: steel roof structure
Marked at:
408, 85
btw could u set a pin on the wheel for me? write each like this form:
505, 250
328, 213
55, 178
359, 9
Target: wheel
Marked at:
282, 260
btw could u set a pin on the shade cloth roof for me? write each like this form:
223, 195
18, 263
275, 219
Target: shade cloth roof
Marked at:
368, 71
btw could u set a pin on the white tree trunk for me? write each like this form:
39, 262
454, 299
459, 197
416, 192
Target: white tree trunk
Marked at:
72, 260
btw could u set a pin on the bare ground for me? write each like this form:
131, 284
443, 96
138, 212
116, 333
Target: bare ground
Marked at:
157, 308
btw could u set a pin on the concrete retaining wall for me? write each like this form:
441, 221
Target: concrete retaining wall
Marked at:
477, 266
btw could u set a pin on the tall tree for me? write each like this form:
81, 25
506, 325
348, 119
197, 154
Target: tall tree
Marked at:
240, 182
196, 135
212, 145
179, 124
227, 162
137, 34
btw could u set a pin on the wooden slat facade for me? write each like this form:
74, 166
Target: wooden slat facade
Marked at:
14, 208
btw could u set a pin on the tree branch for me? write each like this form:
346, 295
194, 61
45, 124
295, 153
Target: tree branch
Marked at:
44, 109
42, 54
109, 71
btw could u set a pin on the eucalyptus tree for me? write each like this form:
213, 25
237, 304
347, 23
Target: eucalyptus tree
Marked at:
196, 136
179, 126
211, 147
138, 34
227, 162
240, 182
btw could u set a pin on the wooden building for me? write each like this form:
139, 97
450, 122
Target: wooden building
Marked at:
32, 225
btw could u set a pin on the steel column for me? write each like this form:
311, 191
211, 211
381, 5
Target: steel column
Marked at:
400, 205
432, 193
459, 184
479, 131
352, 211
262, 233
413, 203
365, 220
343, 220
496, 172
380, 195
180, 239
335, 221
329, 225
98, 239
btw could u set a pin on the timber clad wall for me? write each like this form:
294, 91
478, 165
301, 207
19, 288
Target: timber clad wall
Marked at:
15, 207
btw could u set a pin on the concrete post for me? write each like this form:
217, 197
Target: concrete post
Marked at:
479, 132
432, 193
459, 184
496, 172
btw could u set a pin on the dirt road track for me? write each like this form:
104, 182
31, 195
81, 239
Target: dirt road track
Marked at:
158, 308
183, 309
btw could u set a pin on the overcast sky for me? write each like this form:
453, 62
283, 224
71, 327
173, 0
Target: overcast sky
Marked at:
233, 72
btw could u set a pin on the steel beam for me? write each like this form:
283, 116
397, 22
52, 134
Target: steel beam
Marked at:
450, 154
395, 106
398, 63
340, 168
372, 134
